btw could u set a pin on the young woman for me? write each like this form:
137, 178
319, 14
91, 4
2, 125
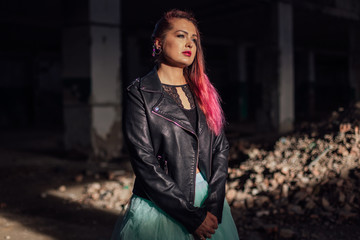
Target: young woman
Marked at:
173, 124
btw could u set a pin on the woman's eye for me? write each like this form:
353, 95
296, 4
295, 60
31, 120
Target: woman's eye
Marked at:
181, 36
194, 40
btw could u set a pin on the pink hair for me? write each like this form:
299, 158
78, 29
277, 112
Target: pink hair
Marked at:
205, 93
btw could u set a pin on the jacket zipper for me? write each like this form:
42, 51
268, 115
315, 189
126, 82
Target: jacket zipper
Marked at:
197, 152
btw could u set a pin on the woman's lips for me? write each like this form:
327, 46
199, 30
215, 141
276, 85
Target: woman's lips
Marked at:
187, 53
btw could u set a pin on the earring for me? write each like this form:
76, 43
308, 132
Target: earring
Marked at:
156, 51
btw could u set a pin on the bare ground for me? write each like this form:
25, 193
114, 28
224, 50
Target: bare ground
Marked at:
32, 169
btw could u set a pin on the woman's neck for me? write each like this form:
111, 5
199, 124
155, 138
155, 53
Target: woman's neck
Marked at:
171, 75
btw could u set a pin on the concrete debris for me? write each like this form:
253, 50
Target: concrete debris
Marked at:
312, 174
62, 188
287, 233
301, 174
109, 194
79, 178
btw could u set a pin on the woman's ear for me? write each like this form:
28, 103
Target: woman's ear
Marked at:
158, 43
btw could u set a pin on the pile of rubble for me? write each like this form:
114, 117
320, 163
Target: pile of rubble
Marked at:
315, 174
113, 193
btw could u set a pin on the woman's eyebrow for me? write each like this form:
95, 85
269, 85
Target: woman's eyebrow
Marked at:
194, 35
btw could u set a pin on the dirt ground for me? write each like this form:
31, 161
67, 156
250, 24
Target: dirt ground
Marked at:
30, 211
31, 169
31, 206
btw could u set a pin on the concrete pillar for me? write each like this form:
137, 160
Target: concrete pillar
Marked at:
354, 59
275, 71
92, 83
286, 67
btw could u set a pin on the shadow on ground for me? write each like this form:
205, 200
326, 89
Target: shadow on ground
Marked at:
27, 212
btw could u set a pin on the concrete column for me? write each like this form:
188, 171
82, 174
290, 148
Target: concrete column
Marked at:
105, 54
274, 72
286, 67
92, 83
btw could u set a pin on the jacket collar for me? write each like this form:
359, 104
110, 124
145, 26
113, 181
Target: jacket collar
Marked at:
167, 108
151, 82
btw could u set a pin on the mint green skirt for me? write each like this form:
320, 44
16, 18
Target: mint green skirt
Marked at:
143, 220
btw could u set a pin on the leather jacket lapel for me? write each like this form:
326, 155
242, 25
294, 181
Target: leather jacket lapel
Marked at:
151, 82
163, 106
168, 109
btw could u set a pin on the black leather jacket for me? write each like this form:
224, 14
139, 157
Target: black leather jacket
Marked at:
165, 150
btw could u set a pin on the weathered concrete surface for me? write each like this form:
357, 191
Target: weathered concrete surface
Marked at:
91, 50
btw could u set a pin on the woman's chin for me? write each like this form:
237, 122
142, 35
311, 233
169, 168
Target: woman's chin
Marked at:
182, 63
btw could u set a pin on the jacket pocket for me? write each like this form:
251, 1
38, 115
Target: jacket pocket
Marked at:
163, 164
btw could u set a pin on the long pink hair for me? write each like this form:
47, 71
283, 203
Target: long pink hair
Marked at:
205, 93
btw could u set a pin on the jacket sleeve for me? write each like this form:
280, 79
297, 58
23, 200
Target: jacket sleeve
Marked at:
159, 187
216, 195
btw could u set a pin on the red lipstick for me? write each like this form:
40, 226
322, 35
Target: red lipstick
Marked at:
187, 53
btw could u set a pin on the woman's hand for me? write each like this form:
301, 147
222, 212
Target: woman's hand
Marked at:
207, 227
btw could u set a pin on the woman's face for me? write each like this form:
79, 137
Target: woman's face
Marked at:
179, 44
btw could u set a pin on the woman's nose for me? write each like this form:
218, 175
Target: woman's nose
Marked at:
189, 43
